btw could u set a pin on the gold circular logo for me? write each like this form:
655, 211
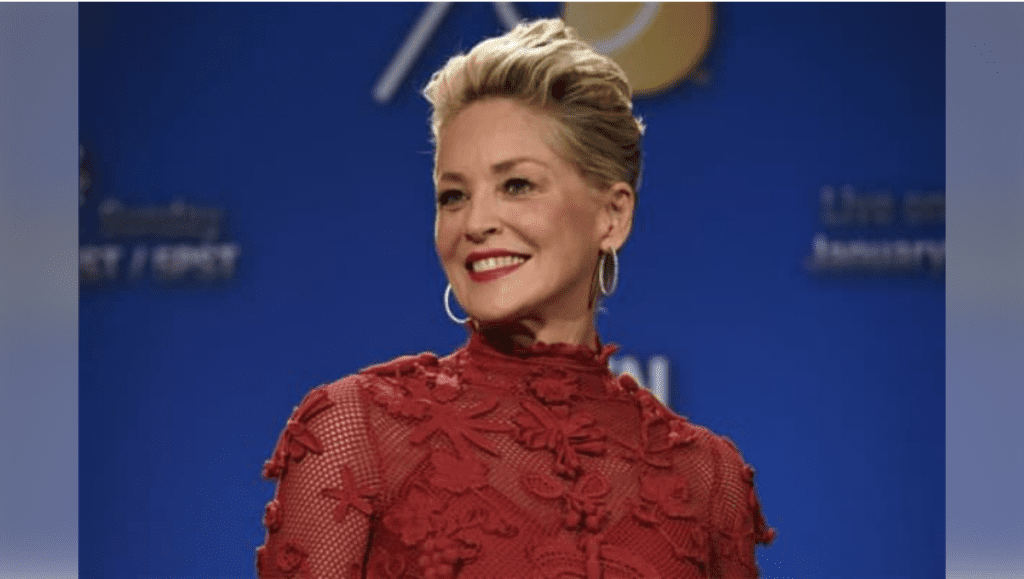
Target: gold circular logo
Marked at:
658, 44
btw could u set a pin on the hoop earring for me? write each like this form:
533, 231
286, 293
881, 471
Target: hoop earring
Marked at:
448, 308
606, 291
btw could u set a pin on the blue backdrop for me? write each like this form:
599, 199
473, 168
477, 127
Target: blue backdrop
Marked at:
831, 384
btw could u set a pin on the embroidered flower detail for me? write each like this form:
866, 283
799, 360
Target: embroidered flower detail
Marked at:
262, 561
592, 559
651, 409
289, 558
413, 385
582, 504
438, 557
661, 430
628, 384
403, 365
297, 440
552, 385
350, 496
693, 546
471, 522
388, 566
272, 517
474, 374
737, 548
445, 386
669, 496
415, 517
555, 430
763, 534
466, 519
681, 432
461, 427
670, 493
457, 475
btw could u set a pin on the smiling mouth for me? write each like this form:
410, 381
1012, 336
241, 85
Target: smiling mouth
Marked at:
494, 263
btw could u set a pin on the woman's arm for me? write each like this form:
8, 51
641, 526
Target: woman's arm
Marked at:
740, 526
319, 521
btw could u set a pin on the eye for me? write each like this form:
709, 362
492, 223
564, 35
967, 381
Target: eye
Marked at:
518, 186
450, 196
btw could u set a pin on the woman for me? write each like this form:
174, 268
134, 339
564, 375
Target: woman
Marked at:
520, 454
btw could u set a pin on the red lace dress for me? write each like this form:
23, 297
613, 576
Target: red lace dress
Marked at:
489, 463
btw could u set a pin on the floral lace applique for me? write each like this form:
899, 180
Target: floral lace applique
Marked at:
763, 534
591, 559
461, 426
413, 384
461, 476
552, 385
736, 548
669, 497
627, 384
661, 430
582, 504
441, 557
447, 534
350, 496
477, 376
289, 559
455, 474
297, 440
403, 365
553, 428
273, 516
387, 566
421, 390
414, 517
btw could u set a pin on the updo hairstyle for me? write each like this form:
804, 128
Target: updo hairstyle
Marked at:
544, 64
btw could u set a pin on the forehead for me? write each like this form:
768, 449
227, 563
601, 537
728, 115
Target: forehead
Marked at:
493, 130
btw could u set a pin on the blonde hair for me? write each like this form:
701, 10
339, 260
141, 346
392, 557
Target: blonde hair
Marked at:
544, 64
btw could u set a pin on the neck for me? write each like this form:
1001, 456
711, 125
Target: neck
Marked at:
525, 332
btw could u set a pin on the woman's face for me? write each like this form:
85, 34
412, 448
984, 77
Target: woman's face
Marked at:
518, 230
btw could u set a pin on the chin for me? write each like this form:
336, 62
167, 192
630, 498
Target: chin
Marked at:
495, 316
495, 312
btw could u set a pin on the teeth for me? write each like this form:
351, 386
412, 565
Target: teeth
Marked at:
496, 262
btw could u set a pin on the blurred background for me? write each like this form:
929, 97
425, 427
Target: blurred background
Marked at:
255, 218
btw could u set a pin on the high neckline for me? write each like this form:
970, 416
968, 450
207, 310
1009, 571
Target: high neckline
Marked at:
555, 354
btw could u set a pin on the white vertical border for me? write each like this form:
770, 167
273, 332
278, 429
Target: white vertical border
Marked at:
984, 290
38, 290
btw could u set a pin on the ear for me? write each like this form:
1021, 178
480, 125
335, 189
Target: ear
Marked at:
616, 218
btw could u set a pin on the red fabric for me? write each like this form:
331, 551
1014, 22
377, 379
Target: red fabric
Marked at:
504, 462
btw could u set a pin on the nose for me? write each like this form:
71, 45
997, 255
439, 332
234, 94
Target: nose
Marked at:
482, 220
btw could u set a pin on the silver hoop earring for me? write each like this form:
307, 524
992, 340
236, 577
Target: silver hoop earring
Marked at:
448, 308
606, 291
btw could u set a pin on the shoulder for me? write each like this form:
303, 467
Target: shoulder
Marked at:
740, 506
403, 365
405, 385
314, 425
370, 380
662, 426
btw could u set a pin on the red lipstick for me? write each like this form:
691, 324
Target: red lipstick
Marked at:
492, 273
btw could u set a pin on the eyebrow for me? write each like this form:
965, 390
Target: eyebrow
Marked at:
499, 167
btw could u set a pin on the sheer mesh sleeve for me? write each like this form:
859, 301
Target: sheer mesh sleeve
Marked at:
318, 523
739, 526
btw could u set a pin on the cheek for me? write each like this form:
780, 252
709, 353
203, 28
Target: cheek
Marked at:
445, 237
